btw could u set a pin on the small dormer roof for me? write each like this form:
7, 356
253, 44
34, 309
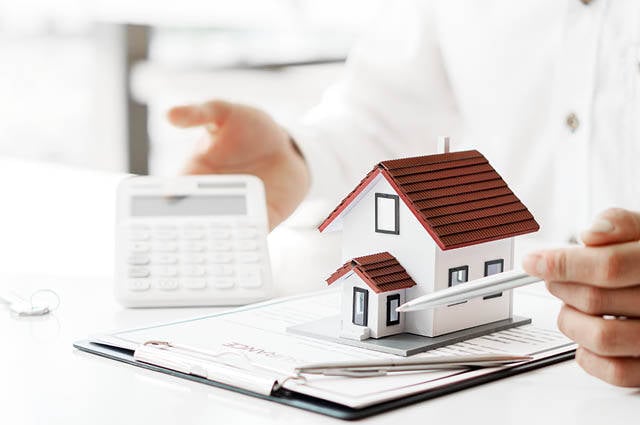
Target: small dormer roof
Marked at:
458, 197
381, 272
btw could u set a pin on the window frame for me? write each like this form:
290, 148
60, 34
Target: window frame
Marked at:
486, 271
492, 262
365, 312
391, 298
457, 269
396, 200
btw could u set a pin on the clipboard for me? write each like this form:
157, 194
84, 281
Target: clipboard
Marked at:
313, 402
317, 405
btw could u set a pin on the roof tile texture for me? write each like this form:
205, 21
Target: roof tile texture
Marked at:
381, 272
458, 197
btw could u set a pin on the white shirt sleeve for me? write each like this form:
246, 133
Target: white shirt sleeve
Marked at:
392, 101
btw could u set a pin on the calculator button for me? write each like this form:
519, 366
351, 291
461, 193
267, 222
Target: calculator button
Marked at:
192, 259
195, 283
193, 234
245, 245
219, 225
166, 271
139, 247
138, 260
138, 284
165, 247
220, 234
139, 272
193, 247
192, 271
247, 257
220, 246
165, 227
221, 282
164, 259
246, 234
167, 284
245, 223
139, 235
220, 270
165, 235
139, 227
254, 281
219, 257
194, 226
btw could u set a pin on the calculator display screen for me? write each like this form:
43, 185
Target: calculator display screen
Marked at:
188, 205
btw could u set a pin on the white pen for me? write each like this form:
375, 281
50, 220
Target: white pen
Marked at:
477, 288
379, 367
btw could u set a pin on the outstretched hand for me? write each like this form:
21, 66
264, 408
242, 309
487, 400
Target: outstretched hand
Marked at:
600, 286
243, 140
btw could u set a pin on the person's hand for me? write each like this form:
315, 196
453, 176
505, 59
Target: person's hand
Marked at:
244, 140
599, 280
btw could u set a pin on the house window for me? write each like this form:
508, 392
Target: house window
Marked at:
387, 214
458, 275
493, 267
393, 302
360, 306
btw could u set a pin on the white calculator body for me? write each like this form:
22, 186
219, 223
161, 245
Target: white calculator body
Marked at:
192, 241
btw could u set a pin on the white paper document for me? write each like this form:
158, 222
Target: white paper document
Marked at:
256, 335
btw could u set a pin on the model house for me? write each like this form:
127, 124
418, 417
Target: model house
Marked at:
417, 225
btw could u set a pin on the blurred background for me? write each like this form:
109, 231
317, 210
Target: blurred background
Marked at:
88, 83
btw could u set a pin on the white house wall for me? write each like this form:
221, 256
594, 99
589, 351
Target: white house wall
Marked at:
413, 247
376, 309
477, 311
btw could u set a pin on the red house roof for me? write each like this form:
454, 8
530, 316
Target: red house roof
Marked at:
381, 272
458, 197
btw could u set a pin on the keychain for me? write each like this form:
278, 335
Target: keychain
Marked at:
37, 304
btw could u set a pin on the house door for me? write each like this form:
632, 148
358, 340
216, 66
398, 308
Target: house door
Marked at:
360, 306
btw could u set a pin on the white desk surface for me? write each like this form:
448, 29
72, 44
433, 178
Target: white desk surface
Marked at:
56, 232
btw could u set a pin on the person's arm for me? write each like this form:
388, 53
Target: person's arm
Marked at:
600, 286
393, 101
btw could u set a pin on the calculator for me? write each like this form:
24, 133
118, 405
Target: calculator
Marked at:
191, 241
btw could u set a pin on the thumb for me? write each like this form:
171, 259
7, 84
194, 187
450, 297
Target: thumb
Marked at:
214, 112
614, 225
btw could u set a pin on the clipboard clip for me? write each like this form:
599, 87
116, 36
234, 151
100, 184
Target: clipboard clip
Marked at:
240, 372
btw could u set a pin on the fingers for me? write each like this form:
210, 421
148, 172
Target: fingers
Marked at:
614, 225
605, 337
215, 112
620, 371
598, 301
610, 266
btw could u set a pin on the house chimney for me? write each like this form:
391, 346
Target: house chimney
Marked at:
443, 144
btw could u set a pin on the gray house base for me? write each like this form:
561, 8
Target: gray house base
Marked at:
404, 344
